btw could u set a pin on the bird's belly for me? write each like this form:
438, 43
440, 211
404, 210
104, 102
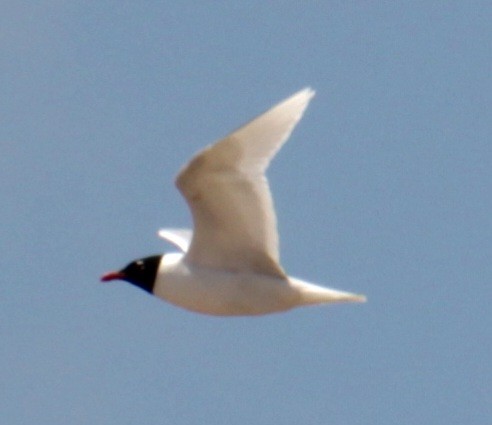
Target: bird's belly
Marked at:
224, 293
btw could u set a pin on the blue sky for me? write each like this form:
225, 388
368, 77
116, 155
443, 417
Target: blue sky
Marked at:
383, 189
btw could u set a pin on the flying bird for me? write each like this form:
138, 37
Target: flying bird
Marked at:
229, 265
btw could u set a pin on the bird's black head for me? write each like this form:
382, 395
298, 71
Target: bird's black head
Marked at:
141, 273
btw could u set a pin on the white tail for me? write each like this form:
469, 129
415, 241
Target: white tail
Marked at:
314, 294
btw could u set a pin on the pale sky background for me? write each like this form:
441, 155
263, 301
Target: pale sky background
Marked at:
384, 189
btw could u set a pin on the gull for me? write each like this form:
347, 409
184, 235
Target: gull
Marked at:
229, 265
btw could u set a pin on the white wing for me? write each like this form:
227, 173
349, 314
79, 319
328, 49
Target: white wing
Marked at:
180, 238
228, 194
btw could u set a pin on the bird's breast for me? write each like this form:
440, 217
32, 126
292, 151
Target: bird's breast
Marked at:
221, 293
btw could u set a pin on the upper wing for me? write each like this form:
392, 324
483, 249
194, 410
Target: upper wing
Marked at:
180, 238
229, 197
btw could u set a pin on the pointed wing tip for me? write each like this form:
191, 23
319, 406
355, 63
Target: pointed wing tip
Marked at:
309, 91
306, 92
300, 99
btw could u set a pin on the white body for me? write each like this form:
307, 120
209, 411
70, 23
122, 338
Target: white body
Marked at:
231, 263
223, 293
